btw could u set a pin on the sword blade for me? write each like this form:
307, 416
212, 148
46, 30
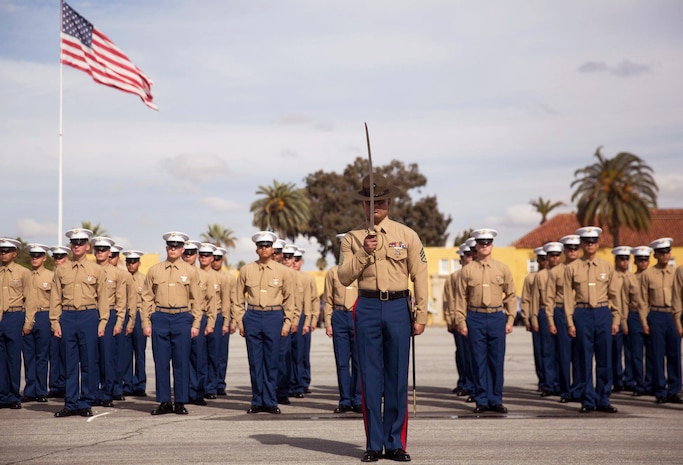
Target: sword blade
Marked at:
372, 182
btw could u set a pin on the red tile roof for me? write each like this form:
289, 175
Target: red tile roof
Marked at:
665, 223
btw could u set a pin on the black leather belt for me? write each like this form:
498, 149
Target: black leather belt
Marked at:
264, 307
43, 309
173, 310
587, 305
341, 308
71, 308
485, 309
14, 309
383, 295
659, 308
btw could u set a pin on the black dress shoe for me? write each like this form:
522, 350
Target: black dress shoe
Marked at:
307, 391
139, 393
85, 412
221, 392
41, 399
66, 413
479, 409
500, 408
255, 409
118, 397
210, 396
674, 400
28, 399
464, 392
274, 409
586, 409
456, 390
357, 409
198, 402
546, 393
617, 389
660, 400
298, 395
398, 455
14, 405
637, 394
284, 400
564, 400
371, 456
342, 409
607, 409
107, 403
163, 408
179, 409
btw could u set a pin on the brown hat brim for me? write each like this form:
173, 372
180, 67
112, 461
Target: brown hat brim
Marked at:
363, 195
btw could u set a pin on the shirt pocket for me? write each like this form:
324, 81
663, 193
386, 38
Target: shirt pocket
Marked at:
397, 254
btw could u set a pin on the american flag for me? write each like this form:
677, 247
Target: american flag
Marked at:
84, 47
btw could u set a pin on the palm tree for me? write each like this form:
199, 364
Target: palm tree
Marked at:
219, 236
97, 229
618, 191
283, 209
544, 207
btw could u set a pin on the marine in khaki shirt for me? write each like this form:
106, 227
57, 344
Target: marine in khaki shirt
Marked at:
264, 285
15, 281
470, 291
82, 284
591, 281
398, 258
171, 284
38, 297
336, 295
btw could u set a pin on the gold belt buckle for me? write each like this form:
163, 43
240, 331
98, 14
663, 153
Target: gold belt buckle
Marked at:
383, 295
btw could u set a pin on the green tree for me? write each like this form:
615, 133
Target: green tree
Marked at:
97, 229
283, 209
335, 210
321, 263
544, 207
617, 191
462, 237
219, 236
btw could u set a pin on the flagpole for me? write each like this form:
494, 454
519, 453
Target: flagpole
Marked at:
61, 134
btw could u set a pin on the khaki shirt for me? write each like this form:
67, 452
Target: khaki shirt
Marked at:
631, 298
81, 284
539, 291
209, 284
399, 257
677, 297
15, 282
302, 299
136, 282
525, 299
265, 285
554, 295
171, 284
577, 287
117, 293
38, 297
470, 285
314, 314
336, 294
448, 299
656, 287
227, 285
622, 277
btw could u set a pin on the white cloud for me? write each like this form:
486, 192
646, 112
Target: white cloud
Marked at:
624, 68
670, 184
28, 228
195, 167
222, 205
516, 216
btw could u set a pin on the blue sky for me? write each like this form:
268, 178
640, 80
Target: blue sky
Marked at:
498, 102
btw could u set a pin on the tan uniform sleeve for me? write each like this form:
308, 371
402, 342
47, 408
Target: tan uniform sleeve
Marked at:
328, 297
56, 301
102, 299
677, 298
